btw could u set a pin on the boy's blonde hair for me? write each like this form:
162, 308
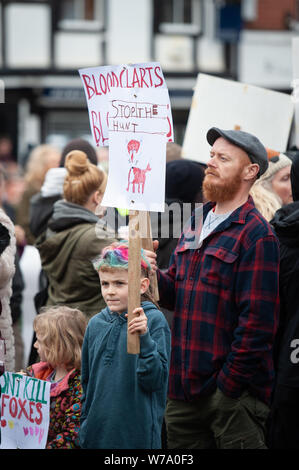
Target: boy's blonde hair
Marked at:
82, 179
61, 331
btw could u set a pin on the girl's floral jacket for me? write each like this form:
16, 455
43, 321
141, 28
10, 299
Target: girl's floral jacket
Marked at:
65, 406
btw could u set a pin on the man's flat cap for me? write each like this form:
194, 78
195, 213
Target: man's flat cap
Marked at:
247, 142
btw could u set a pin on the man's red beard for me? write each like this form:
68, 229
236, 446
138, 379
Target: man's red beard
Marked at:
220, 191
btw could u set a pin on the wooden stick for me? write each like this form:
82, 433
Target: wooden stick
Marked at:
147, 244
134, 276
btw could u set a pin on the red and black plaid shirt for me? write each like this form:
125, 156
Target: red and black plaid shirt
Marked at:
225, 298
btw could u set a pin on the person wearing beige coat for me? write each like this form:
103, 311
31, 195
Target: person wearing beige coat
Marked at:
7, 270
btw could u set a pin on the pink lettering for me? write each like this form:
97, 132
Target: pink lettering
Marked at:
3, 404
22, 410
135, 81
103, 84
86, 80
142, 74
150, 74
31, 411
13, 407
121, 77
158, 76
97, 128
114, 80
39, 411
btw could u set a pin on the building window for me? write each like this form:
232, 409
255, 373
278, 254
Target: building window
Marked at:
176, 11
249, 10
178, 16
81, 14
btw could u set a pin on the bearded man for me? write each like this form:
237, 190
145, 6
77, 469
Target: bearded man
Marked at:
225, 296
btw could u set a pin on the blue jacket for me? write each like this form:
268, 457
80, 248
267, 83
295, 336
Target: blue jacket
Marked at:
124, 395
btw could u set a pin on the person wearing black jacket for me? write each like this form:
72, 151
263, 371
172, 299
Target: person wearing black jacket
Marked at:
284, 417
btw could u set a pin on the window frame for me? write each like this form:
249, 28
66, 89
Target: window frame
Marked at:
97, 24
193, 28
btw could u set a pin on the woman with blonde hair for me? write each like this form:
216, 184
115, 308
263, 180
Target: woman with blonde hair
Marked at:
265, 200
59, 337
41, 159
74, 236
273, 189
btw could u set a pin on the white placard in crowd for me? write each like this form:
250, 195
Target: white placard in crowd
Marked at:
230, 104
25, 408
138, 126
98, 83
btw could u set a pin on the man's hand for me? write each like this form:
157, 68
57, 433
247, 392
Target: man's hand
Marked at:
151, 256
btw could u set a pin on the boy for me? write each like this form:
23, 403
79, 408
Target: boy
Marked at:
124, 395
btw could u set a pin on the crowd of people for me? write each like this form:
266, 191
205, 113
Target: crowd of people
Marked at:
219, 350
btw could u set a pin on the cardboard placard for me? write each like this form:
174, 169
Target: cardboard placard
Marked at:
99, 82
228, 104
25, 411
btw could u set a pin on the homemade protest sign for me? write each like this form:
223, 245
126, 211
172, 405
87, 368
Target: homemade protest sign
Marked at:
25, 405
138, 126
233, 105
98, 82
129, 110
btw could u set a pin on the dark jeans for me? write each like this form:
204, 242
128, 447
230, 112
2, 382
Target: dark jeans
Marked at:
217, 422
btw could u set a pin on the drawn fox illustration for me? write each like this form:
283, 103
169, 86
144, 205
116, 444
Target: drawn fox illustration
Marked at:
139, 174
139, 177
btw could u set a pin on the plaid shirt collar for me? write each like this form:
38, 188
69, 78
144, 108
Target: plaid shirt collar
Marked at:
192, 231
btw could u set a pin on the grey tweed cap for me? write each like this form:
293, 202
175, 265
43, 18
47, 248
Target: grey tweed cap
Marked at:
247, 142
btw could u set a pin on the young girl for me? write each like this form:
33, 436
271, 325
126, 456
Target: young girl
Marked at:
124, 395
60, 332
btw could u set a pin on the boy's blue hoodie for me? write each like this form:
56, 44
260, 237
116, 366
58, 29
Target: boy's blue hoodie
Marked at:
124, 395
